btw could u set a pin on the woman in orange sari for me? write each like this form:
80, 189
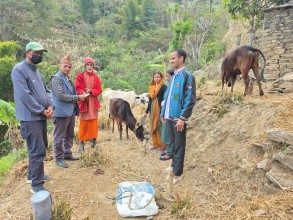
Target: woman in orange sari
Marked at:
156, 89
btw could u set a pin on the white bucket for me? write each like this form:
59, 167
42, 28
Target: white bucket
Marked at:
42, 205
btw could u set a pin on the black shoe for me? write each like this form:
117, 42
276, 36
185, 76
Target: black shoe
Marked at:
71, 157
61, 163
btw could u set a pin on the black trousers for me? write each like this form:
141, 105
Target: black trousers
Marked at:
178, 140
35, 134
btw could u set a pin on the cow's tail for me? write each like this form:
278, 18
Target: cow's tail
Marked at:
264, 63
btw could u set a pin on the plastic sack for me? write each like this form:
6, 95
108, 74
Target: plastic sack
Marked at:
136, 199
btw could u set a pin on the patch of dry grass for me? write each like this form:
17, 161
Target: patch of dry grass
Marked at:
276, 206
285, 119
93, 157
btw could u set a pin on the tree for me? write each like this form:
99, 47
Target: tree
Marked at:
251, 10
88, 11
197, 39
13, 14
148, 13
7, 112
7, 61
132, 18
180, 30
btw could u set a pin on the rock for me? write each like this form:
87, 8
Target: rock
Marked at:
262, 164
260, 212
279, 135
288, 77
286, 159
285, 83
280, 178
271, 189
266, 147
288, 90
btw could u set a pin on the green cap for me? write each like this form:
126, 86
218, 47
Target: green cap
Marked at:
35, 46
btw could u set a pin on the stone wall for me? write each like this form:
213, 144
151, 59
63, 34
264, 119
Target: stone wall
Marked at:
277, 44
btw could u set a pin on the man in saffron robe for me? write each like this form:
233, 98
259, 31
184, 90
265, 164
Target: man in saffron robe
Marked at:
88, 82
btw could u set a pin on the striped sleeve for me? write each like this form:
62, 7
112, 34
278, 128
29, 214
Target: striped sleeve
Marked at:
56, 85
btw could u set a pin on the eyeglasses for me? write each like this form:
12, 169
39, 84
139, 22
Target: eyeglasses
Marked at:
66, 66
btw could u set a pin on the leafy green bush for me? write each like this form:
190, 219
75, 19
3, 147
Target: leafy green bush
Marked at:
8, 161
7, 61
211, 51
12, 134
223, 100
8, 48
5, 146
6, 88
7, 113
47, 70
227, 98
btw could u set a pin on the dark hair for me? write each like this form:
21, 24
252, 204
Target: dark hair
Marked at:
181, 53
158, 72
171, 71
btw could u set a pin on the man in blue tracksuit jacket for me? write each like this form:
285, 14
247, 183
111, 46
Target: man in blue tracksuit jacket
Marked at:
179, 101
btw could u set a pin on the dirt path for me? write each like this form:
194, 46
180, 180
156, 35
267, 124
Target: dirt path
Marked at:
219, 174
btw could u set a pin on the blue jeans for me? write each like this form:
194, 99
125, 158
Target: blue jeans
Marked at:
35, 134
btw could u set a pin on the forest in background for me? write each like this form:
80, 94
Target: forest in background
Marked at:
128, 39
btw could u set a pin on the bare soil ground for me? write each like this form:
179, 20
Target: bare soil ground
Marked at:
220, 181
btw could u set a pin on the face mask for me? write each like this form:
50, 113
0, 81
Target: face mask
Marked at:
36, 59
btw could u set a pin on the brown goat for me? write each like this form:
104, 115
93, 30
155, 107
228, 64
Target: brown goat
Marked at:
240, 61
121, 113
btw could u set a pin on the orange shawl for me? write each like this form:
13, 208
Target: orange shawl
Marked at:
155, 121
